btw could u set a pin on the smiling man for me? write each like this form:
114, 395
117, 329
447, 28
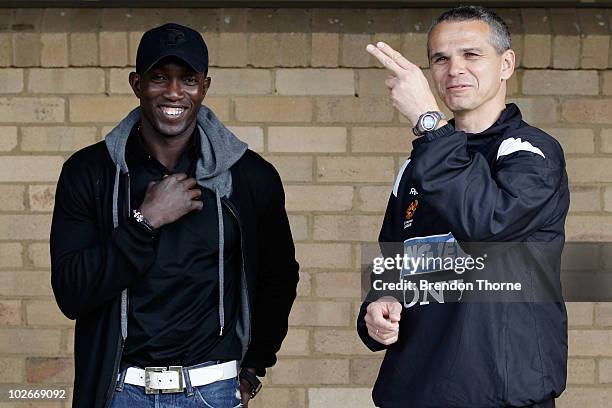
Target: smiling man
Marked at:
171, 247
483, 176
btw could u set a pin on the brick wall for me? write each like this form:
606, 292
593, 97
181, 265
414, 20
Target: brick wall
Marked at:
298, 86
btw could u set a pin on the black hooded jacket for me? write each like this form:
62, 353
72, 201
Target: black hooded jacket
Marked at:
93, 262
505, 184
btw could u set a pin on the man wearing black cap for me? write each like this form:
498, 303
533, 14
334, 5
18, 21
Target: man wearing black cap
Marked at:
171, 248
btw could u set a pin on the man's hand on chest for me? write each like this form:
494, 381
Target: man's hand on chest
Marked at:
169, 199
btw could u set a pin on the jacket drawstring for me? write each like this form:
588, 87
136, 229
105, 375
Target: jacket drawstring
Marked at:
115, 225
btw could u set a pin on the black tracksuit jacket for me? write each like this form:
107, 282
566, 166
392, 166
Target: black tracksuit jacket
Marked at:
505, 184
92, 262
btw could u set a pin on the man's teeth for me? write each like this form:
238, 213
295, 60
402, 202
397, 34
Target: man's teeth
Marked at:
172, 111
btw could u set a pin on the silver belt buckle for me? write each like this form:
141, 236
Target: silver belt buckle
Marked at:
149, 370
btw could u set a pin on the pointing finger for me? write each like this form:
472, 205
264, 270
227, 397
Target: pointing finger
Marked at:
385, 60
395, 56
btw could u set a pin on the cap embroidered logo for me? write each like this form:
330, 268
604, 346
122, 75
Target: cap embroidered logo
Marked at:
172, 36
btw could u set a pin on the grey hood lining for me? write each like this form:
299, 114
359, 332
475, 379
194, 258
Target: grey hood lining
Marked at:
219, 148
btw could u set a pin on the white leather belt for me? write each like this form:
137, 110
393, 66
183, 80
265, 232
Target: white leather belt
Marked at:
170, 379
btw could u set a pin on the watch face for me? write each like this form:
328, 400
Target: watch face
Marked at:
429, 122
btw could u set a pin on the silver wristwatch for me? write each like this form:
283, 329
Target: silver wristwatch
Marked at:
427, 122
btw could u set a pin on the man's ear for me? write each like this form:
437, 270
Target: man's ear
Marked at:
135, 82
508, 64
205, 85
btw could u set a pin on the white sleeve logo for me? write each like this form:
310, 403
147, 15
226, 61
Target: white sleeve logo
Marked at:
399, 177
512, 145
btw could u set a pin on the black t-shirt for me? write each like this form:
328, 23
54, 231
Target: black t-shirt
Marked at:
174, 308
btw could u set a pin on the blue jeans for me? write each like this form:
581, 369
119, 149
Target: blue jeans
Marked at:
220, 394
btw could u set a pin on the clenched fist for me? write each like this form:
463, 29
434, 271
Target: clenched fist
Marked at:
168, 200
382, 320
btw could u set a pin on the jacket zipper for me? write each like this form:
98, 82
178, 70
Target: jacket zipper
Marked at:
113, 383
232, 211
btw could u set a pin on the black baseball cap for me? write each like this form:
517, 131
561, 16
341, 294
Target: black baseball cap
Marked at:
172, 40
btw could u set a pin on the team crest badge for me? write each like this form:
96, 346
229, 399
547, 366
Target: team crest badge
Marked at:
410, 213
